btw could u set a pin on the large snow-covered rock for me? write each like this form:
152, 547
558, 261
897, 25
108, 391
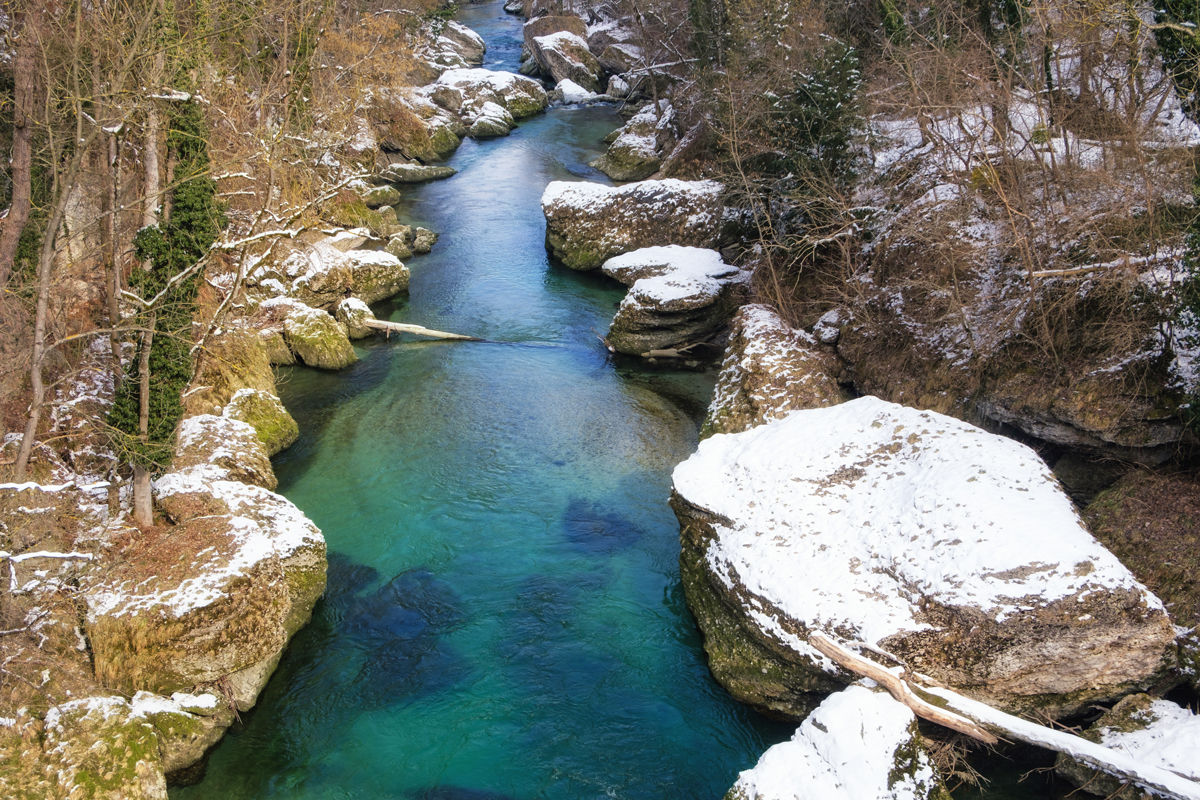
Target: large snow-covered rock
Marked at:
519, 96
949, 547
455, 46
770, 369
859, 744
677, 296
215, 596
638, 150
225, 447
313, 336
565, 56
588, 223
1157, 733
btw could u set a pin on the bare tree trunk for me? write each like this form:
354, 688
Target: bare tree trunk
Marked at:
143, 508
150, 163
25, 73
45, 260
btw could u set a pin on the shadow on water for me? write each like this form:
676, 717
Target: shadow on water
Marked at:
455, 793
380, 648
591, 527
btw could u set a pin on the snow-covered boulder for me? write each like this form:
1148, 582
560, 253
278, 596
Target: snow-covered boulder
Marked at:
569, 92
217, 594
319, 273
859, 744
313, 336
952, 548
379, 196
455, 46
677, 296
520, 96
376, 275
770, 369
489, 121
565, 56
553, 23
588, 223
227, 448
415, 173
1157, 733
263, 411
354, 313
638, 150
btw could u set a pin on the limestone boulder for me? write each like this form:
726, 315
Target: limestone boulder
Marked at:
378, 196
454, 46
565, 56
214, 596
588, 223
639, 148
553, 23
263, 411
859, 743
770, 369
415, 173
376, 275
225, 446
677, 296
354, 313
423, 240
490, 121
915, 533
471, 89
312, 336
1156, 733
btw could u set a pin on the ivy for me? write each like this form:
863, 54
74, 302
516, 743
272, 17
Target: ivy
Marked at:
196, 220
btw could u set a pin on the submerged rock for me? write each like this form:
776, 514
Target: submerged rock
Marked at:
677, 296
952, 548
858, 744
770, 369
1157, 733
587, 223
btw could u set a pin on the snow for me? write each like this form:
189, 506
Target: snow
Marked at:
590, 197
1170, 741
1133, 763
846, 517
502, 82
670, 273
845, 750
572, 92
561, 41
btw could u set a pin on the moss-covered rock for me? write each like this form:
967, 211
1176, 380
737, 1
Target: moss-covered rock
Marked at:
101, 749
423, 240
376, 275
638, 149
234, 358
416, 173
263, 411
469, 90
587, 223
353, 313
379, 196
315, 337
770, 369
399, 245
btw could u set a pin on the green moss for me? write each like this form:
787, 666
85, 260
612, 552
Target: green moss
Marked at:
274, 426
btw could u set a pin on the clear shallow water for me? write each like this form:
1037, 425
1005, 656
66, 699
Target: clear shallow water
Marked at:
504, 616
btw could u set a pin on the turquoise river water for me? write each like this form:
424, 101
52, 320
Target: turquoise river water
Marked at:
504, 616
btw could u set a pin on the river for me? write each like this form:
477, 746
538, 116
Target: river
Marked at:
504, 615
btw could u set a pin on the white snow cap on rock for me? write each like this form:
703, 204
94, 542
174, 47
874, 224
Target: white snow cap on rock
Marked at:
572, 92
1170, 741
845, 517
848, 749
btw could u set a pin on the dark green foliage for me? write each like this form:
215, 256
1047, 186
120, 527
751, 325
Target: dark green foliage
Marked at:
1180, 49
196, 219
815, 123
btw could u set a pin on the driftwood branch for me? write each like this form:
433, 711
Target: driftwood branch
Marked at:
898, 688
400, 327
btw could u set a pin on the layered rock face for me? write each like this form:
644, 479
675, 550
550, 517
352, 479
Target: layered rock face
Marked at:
909, 531
677, 296
769, 370
858, 744
587, 224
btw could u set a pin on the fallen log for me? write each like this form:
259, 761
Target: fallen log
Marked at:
400, 327
897, 687
972, 717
